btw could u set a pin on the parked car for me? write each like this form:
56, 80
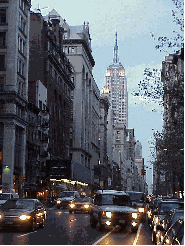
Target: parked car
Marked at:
113, 208
170, 219
80, 204
161, 211
175, 234
65, 198
138, 201
22, 213
5, 196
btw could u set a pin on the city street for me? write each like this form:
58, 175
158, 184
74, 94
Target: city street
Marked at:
62, 228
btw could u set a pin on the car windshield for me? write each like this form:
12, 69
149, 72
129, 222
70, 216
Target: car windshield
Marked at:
82, 199
4, 196
66, 194
18, 204
165, 207
177, 215
110, 199
136, 196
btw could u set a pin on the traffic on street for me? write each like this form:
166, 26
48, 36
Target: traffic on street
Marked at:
63, 228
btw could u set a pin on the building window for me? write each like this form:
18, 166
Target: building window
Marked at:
2, 16
2, 39
2, 62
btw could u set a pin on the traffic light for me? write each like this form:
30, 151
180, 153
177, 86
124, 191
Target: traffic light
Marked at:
143, 172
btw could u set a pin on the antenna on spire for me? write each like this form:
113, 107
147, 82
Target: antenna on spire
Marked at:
115, 59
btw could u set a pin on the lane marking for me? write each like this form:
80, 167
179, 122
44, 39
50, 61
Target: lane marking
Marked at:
99, 240
137, 235
26, 234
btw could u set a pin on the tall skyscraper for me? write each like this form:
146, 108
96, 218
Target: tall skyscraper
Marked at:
117, 85
116, 90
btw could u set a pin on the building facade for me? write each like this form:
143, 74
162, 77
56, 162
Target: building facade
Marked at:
86, 98
14, 58
49, 64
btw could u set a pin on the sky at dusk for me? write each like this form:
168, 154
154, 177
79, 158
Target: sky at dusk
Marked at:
134, 20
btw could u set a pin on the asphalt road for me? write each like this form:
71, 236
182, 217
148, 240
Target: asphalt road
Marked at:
62, 228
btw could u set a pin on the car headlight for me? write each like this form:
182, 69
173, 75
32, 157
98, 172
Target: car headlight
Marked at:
72, 205
58, 202
1, 216
134, 215
141, 210
24, 217
86, 206
108, 214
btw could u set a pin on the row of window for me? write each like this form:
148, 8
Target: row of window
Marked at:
59, 80
21, 45
20, 66
22, 23
69, 50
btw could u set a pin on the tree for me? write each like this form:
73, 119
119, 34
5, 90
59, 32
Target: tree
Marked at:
151, 88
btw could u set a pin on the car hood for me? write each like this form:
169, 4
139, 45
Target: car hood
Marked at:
15, 211
2, 201
65, 198
137, 204
116, 208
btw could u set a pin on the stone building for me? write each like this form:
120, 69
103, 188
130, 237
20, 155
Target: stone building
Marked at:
86, 98
49, 65
169, 164
14, 57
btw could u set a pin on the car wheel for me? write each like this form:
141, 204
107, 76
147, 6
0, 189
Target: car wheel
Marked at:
93, 221
42, 224
99, 225
70, 211
32, 226
153, 237
58, 207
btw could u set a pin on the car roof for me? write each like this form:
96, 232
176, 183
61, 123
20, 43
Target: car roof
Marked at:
111, 192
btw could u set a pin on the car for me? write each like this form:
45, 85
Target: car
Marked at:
138, 201
5, 196
65, 198
161, 211
22, 213
80, 204
112, 208
175, 234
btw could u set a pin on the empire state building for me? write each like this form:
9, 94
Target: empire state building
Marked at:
116, 85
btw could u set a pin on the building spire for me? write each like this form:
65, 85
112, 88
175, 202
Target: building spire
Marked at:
115, 59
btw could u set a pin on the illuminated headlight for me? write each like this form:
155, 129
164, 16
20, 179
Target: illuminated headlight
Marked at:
141, 210
72, 205
134, 224
24, 217
108, 223
86, 206
58, 202
108, 214
1, 216
134, 215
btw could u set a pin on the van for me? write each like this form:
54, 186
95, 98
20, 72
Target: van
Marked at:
5, 196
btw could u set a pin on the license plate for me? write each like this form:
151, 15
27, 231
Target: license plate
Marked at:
122, 221
8, 222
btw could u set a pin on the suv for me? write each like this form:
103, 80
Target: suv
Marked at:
5, 196
111, 208
138, 201
65, 198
